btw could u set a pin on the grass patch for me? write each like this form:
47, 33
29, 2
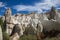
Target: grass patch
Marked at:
5, 36
28, 37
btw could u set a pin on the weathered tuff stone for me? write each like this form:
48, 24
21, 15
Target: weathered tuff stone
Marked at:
1, 37
22, 19
16, 32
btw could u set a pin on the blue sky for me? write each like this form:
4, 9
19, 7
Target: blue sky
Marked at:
27, 6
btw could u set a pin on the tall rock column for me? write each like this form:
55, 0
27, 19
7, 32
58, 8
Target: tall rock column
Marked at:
7, 18
52, 13
7, 15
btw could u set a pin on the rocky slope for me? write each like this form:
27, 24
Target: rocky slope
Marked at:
29, 19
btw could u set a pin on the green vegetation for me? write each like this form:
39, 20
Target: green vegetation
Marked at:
5, 35
28, 37
33, 37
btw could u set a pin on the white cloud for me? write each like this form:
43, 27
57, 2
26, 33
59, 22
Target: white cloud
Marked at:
2, 4
23, 7
55, 2
46, 5
27, 8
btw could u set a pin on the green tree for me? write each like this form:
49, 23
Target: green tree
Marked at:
5, 35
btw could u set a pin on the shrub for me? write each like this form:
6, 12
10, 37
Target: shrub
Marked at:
28, 37
5, 36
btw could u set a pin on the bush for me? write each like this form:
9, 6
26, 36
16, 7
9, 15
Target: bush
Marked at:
28, 37
5, 36
33, 37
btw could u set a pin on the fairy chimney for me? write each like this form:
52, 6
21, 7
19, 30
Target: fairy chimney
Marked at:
7, 15
7, 12
52, 13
